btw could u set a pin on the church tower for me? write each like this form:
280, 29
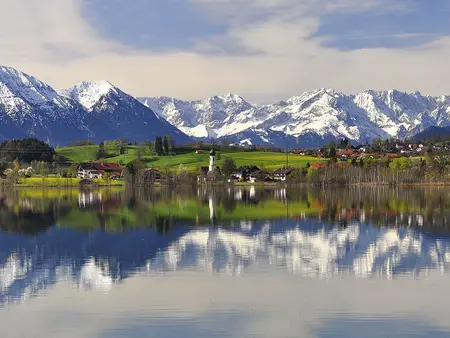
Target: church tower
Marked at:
212, 160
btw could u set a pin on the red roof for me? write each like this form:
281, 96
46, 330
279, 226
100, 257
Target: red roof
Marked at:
318, 165
348, 152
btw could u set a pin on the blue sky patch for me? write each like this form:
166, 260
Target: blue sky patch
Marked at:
161, 25
151, 24
417, 23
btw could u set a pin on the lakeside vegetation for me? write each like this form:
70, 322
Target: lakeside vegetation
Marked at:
118, 209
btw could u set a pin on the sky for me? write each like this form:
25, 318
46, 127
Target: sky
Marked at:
264, 50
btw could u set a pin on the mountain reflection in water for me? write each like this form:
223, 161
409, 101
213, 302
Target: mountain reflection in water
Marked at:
97, 238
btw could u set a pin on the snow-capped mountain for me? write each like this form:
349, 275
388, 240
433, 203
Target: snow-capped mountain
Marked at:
98, 110
310, 119
120, 113
29, 107
211, 118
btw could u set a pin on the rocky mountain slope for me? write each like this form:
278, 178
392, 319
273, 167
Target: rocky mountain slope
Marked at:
310, 119
119, 113
98, 110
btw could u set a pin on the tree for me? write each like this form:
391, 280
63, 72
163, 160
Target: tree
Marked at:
101, 151
159, 146
166, 145
140, 152
343, 143
43, 169
13, 174
121, 146
132, 172
401, 164
151, 148
228, 166
26, 150
183, 176
73, 170
332, 154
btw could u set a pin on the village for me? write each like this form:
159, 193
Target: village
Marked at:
342, 153
249, 173
199, 163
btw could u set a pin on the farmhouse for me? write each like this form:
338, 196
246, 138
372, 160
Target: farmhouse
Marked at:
151, 175
260, 176
244, 172
282, 174
98, 169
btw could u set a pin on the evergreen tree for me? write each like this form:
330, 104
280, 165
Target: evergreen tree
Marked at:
159, 146
101, 151
122, 146
166, 145
332, 153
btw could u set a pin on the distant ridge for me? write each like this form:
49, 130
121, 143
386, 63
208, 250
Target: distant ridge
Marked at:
433, 133
98, 110
309, 120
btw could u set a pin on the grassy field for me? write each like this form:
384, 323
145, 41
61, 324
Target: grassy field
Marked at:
192, 161
60, 182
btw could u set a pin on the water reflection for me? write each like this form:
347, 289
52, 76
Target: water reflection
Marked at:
99, 239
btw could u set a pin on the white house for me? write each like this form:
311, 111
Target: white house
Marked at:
97, 169
282, 174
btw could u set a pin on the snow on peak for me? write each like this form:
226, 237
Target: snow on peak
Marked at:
312, 117
16, 84
89, 93
232, 97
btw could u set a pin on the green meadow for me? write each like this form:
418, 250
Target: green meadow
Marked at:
193, 161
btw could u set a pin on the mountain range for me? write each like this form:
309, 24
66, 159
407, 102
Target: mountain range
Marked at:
100, 111
89, 110
309, 120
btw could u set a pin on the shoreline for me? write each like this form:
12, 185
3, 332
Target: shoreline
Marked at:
216, 184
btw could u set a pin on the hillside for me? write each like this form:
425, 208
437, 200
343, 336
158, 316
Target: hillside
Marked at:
433, 134
192, 161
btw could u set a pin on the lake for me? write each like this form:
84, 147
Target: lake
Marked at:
225, 262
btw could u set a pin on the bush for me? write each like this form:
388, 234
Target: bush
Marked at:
26, 150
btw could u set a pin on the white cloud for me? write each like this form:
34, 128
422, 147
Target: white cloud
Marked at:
50, 40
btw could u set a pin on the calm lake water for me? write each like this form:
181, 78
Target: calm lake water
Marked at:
229, 262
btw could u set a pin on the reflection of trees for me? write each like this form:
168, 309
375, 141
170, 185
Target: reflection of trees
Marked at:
386, 206
229, 203
26, 221
161, 208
